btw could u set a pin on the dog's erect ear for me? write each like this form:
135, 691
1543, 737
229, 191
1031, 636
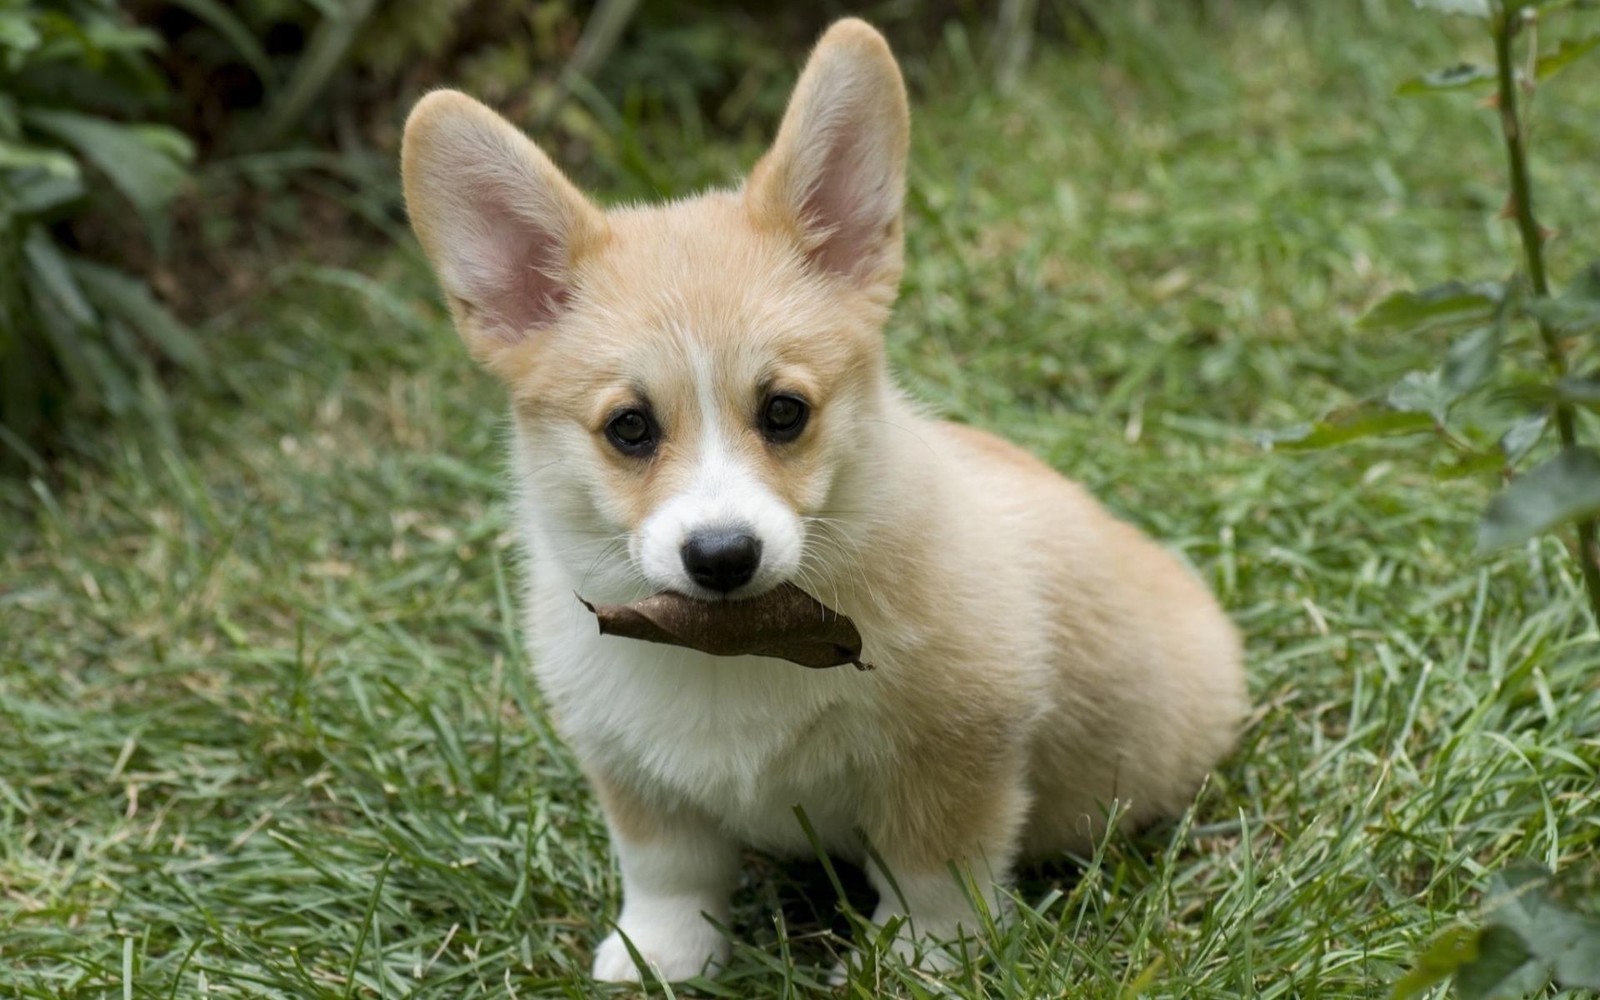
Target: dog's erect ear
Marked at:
501, 225
835, 178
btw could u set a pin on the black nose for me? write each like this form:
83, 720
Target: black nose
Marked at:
721, 559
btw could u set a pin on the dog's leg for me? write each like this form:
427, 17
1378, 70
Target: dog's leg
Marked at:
955, 819
677, 870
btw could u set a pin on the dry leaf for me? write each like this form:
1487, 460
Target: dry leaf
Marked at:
785, 622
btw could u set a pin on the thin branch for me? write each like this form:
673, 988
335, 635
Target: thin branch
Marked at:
1507, 22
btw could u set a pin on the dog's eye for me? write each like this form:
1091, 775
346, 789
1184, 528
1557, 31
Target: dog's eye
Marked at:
784, 418
632, 432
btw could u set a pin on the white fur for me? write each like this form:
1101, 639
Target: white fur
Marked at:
723, 494
670, 888
720, 731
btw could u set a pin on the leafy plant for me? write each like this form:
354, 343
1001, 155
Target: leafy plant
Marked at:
75, 333
1490, 415
1531, 935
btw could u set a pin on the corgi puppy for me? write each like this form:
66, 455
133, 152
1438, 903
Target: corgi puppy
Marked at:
700, 403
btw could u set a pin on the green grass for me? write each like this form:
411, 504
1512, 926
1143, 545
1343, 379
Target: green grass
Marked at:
265, 729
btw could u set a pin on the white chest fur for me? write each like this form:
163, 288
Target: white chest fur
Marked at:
744, 738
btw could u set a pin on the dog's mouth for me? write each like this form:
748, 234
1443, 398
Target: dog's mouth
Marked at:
784, 622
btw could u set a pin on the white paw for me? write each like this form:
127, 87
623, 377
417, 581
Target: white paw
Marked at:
674, 950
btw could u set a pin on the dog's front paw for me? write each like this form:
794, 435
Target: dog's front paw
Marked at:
674, 950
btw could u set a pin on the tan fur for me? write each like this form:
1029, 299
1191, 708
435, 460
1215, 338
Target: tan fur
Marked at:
1038, 659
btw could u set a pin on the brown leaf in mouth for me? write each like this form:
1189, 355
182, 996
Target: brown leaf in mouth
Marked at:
785, 622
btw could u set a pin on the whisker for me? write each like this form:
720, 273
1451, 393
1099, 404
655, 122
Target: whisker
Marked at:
609, 548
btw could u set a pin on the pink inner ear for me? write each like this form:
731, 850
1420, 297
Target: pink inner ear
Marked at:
512, 273
847, 206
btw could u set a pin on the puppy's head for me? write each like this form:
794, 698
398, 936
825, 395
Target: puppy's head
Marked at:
689, 380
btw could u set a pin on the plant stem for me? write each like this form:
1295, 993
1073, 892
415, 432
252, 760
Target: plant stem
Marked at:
1505, 29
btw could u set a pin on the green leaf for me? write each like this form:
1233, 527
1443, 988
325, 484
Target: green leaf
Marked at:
10, 120
77, 336
1561, 490
1439, 961
1472, 8
1579, 966
92, 370
1363, 420
1421, 392
1577, 308
126, 298
1522, 436
1499, 969
39, 193
108, 34
1453, 302
237, 34
17, 156
50, 269
1450, 78
323, 56
1584, 392
145, 162
1565, 54
1472, 463
1472, 359
1563, 942
17, 31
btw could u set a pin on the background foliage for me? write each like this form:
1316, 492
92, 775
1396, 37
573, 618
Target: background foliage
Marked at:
1488, 410
78, 84
294, 107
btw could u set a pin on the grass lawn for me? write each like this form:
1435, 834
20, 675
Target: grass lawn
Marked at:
265, 729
